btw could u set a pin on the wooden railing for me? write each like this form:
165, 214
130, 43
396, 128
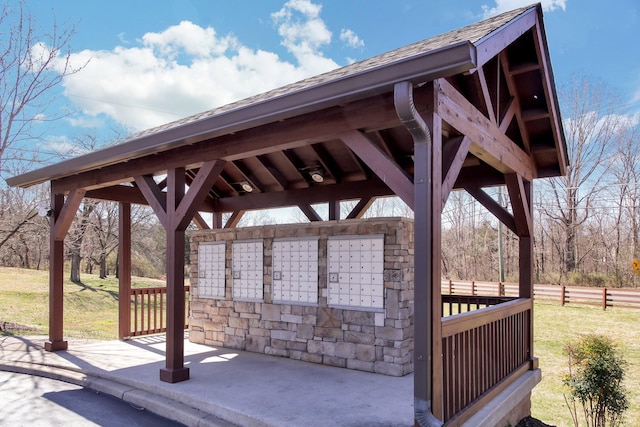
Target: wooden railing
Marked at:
150, 310
483, 351
601, 297
455, 304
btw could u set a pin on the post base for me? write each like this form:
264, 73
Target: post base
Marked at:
174, 375
56, 345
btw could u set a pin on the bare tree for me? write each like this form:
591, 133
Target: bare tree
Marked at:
590, 129
33, 62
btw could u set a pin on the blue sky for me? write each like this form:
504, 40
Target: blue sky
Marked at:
153, 61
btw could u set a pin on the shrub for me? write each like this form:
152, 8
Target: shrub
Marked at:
596, 372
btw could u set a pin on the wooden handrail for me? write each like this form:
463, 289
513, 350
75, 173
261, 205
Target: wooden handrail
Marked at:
465, 321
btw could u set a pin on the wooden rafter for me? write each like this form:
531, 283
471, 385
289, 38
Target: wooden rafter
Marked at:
273, 171
327, 162
248, 175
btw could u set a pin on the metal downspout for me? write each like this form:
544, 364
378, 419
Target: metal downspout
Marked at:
423, 200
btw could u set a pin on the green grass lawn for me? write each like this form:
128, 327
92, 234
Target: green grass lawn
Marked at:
90, 308
554, 326
91, 312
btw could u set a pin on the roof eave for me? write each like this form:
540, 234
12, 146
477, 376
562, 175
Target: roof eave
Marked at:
453, 59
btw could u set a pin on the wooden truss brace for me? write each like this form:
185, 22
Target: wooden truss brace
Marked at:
520, 205
361, 207
381, 164
309, 212
234, 219
177, 215
62, 221
454, 153
494, 207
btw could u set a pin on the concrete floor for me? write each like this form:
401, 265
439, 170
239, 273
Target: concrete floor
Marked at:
226, 387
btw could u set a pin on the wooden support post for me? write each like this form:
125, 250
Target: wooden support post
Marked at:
175, 210
175, 370
563, 293
427, 188
124, 271
524, 217
56, 281
334, 210
604, 298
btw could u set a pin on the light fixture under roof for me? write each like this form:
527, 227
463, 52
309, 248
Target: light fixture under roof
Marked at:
246, 186
44, 210
317, 176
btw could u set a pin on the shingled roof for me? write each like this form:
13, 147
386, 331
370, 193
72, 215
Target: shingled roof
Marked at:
446, 55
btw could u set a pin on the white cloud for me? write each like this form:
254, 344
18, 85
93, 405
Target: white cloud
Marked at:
304, 34
351, 38
506, 5
187, 69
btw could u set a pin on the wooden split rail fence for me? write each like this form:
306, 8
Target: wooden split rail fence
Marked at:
602, 297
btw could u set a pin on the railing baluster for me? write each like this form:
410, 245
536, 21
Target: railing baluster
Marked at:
482, 347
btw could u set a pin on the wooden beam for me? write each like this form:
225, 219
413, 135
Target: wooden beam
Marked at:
310, 196
494, 207
519, 205
454, 153
361, 208
489, 144
381, 164
309, 212
63, 221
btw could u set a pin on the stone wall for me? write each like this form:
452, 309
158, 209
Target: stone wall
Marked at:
373, 340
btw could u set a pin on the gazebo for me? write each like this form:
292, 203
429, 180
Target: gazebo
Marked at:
470, 109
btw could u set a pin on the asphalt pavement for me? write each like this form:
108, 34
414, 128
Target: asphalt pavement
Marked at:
34, 401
